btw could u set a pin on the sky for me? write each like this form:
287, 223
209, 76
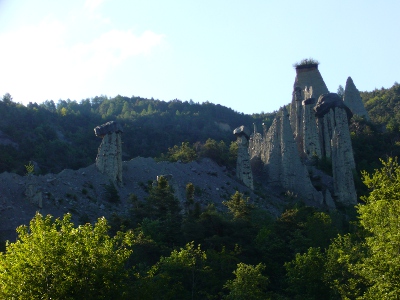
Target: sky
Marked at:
239, 54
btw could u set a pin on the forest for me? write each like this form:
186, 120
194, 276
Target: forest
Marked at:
164, 249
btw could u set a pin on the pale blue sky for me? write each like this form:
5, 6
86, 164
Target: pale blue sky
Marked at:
235, 53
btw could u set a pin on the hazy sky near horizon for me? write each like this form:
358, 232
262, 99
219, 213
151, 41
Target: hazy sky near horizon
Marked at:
235, 53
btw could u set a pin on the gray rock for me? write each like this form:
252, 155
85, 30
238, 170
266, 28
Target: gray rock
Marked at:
242, 130
353, 99
308, 83
342, 167
109, 157
310, 139
329, 101
243, 166
282, 162
108, 128
329, 200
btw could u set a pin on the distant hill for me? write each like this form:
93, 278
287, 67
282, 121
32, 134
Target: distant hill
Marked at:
60, 135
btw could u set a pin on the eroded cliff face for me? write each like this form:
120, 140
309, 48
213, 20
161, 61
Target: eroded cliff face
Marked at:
282, 164
314, 129
353, 99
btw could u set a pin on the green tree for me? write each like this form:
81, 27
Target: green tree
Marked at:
238, 206
249, 283
52, 259
304, 275
341, 266
380, 217
184, 153
164, 208
179, 276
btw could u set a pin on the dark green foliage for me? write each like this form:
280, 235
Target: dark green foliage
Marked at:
184, 153
111, 193
304, 276
60, 135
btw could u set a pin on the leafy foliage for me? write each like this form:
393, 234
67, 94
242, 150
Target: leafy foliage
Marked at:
52, 259
239, 207
249, 283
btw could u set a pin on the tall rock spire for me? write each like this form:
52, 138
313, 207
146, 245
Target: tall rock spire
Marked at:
342, 168
353, 99
243, 167
282, 161
109, 156
333, 119
308, 83
310, 139
309, 76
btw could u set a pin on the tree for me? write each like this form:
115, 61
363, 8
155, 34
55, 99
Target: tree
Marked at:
340, 91
249, 283
239, 207
7, 98
52, 259
183, 274
184, 153
164, 208
304, 275
380, 217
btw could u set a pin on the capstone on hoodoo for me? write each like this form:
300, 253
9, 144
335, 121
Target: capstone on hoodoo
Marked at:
109, 156
243, 167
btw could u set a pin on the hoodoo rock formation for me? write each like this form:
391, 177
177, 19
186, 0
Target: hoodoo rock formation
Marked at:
331, 113
314, 129
310, 137
282, 164
243, 167
308, 83
353, 99
109, 156
333, 119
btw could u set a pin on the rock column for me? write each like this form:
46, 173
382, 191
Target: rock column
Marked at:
109, 156
243, 167
333, 119
311, 144
342, 168
282, 161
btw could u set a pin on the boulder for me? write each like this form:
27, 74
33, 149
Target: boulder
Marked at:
108, 128
242, 130
326, 102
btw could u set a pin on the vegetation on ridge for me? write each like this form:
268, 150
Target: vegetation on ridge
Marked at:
306, 62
